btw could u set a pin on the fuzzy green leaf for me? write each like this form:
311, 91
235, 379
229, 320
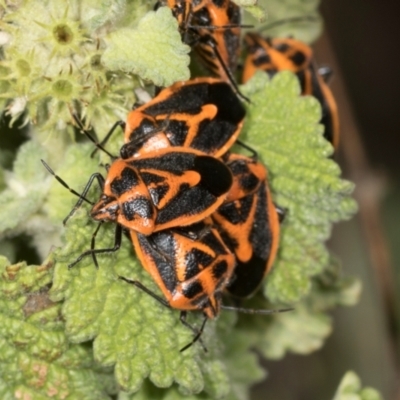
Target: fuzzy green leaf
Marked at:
25, 190
281, 11
76, 168
300, 331
131, 330
95, 13
154, 50
36, 359
256, 12
304, 329
235, 355
330, 289
283, 128
350, 389
253, 8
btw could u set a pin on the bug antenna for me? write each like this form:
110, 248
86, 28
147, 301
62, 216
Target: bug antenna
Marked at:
197, 337
85, 131
255, 311
65, 184
219, 27
301, 18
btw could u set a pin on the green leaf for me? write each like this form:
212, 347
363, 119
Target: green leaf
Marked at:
131, 330
279, 14
253, 8
330, 289
75, 170
284, 129
25, 190
154, 50
95, 13
36, 359
237, 355
256, 12
300, 331
304, 329
350, 389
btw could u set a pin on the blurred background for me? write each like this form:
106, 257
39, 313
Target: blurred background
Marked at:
360, 43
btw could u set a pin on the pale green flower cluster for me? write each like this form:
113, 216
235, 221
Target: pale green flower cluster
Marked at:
53, 59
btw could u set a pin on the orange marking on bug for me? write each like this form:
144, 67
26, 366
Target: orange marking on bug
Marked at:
275, 228
241, 232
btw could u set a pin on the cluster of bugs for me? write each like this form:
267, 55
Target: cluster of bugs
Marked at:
200, 217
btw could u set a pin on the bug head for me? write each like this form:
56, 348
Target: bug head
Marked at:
106, 209
125, 199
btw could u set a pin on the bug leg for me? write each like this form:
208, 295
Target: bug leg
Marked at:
211, 42
197, 333
93, 245
146, 290
182, 317
107, 137
100, 181
93, 251
90, 137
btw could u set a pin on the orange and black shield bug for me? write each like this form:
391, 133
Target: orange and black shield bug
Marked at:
162, 189
218, 27
191, 265
280, 54
274, 54
249, 224
212, 28
183, 10
203, 114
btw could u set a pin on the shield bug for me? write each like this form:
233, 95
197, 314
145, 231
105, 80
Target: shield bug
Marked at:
203, 114
191, 265
278, 54
212, 28
218, 24
162, 189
